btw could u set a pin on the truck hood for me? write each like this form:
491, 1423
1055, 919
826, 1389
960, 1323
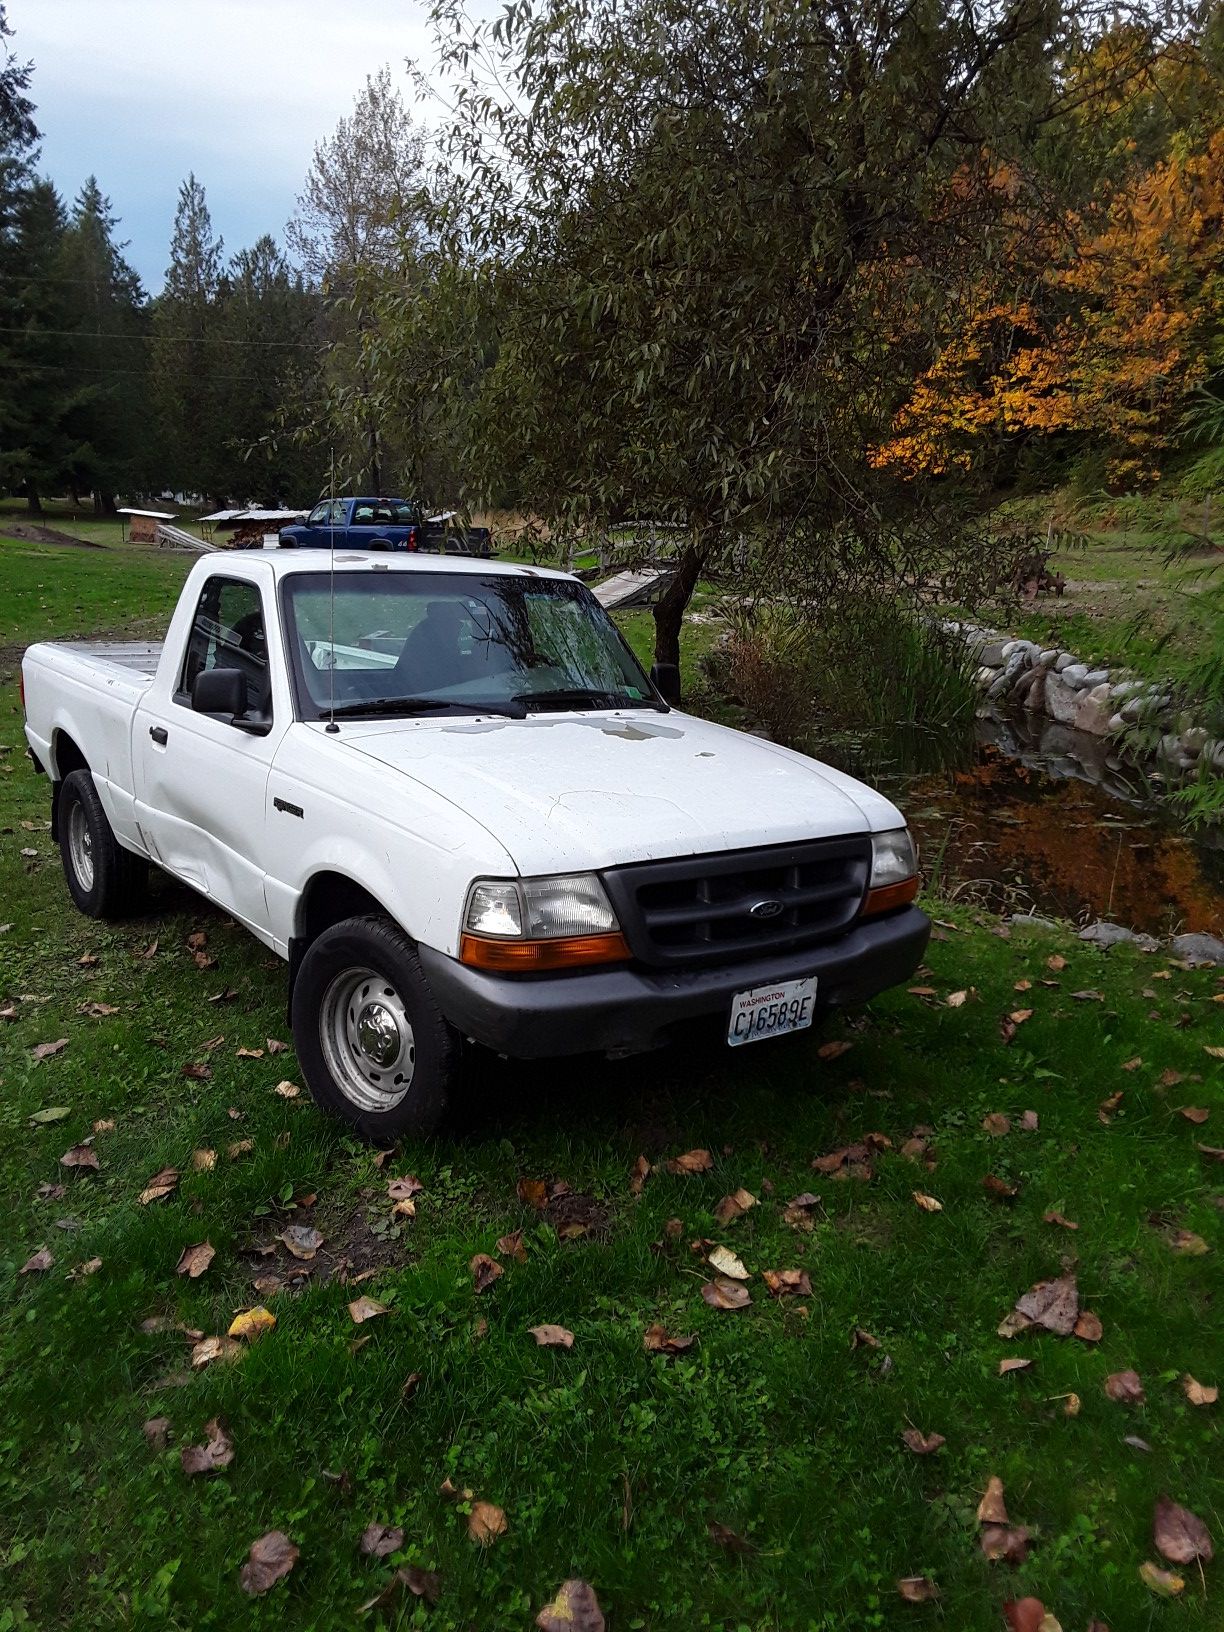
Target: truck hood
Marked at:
572, 792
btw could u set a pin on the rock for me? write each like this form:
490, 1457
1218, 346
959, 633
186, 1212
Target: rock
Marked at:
1106, 935
1075, 674
1096, 677
990, 655
1116, 723
999, 688
1170, 746
1123, 688
984, 678
1092, 711
1217, 756
1029, 923
1034, 691
1062, 661
1061, 700
1198, 948
1193, 740
1046, 658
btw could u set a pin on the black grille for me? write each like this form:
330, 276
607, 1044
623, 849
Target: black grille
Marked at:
699, 909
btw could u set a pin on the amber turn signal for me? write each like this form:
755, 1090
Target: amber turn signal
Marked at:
889, 896
530, 957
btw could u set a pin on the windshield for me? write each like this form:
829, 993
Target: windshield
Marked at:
408, 643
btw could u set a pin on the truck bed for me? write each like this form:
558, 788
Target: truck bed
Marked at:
131, 657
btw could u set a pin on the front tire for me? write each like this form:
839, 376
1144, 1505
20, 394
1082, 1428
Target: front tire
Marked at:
104, 880
373, 1045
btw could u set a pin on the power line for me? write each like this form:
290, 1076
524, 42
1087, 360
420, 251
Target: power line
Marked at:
150, 339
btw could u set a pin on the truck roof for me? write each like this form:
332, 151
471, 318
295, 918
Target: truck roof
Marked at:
286, 561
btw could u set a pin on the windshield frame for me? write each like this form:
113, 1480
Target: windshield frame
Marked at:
306, 710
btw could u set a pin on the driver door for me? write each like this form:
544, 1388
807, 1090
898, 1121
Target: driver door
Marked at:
201, 782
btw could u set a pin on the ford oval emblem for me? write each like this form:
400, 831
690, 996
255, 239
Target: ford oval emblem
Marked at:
765, 909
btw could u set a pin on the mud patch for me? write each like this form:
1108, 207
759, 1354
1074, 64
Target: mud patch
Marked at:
350, 1249
30, 533
573, 1214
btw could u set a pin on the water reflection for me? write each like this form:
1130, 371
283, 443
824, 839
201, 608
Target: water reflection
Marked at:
1022, 814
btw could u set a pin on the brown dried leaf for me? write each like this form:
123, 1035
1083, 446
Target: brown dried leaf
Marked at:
552, 1337
485, 1271
691, 1161
271, 1558
533, 1193
1179, 1535
1052, 1305
1186, 1244
160, 1186
1125, 1387
209, 1349
44, 1051
992, 1509
240, 1147
723, 1294
366, 1308
1028, 1122
426, 1584
216, 1453
1012, 1363
403, 1189
999, 1188
511, 1246
287, 1090
917, 1589
38, 1263
1007, 1542
996, 1124
728, 1538
1056, 963
784, 1283
834, 1050
486, 1522
927, 1203
734, 1206
657, 1340
1162, 1582
196, 1259
922, 1444
1199, 1393
957, 1000
1071, 1405
1057, 1218
1197, 1114
1107, 1107
574, 1609
275, 1046
197, 1073
301, 1240
1213, 1153
1088, 1327
157, 1433
381, 1540
726, 1263
1027, 1615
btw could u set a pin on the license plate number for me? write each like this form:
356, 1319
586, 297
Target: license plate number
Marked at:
768, 1011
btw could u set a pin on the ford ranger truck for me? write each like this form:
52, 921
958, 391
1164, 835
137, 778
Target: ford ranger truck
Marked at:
446, 793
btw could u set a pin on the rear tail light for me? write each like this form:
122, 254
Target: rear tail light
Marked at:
411, 541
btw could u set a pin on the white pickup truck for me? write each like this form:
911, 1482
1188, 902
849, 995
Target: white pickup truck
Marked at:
446, 792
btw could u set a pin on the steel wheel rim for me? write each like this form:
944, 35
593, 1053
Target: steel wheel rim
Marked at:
80, 847
367, 1039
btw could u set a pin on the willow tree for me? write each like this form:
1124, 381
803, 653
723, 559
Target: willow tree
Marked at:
700, 248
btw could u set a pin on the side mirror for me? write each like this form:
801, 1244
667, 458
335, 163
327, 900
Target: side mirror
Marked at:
220, 691
665, 677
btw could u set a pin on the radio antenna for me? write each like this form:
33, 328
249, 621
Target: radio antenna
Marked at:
332, 727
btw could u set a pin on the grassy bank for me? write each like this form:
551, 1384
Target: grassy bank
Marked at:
782, 1422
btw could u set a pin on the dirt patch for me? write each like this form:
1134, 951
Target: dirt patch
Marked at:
350, 1249
572, 1214
33, 534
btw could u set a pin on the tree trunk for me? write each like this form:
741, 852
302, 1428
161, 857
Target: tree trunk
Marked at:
375, 462
669, 610
33, 502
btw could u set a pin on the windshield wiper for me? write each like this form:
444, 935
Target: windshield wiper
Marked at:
373, 706
580, 696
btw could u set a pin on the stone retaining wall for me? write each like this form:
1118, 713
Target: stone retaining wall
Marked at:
1099, 701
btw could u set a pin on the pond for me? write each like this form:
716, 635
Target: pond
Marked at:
1023, 815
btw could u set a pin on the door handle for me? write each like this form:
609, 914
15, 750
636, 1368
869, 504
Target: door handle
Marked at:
159, 734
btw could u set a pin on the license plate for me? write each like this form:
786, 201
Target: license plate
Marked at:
768, 1011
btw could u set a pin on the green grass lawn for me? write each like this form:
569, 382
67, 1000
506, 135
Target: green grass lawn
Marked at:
610, 1462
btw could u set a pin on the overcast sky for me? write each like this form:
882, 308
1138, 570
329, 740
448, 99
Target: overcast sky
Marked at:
139, 92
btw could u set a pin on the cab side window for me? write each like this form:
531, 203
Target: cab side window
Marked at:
228, 632
318, 516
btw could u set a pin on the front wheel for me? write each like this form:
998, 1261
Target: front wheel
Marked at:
373, 1044
104, 880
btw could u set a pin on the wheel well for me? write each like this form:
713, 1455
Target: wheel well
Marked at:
66, 756
331, 897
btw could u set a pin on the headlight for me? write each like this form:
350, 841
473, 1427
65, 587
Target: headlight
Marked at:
540, 923
894, 872
540, 908
893, 857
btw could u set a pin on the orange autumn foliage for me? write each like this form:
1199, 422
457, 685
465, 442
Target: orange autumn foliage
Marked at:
1117, 333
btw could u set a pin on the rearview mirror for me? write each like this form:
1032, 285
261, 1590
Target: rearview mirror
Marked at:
219, 691
665, 677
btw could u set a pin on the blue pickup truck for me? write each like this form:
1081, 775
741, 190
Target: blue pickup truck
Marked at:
387, 524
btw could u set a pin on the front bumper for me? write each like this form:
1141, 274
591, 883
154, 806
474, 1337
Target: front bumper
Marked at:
626, 1010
